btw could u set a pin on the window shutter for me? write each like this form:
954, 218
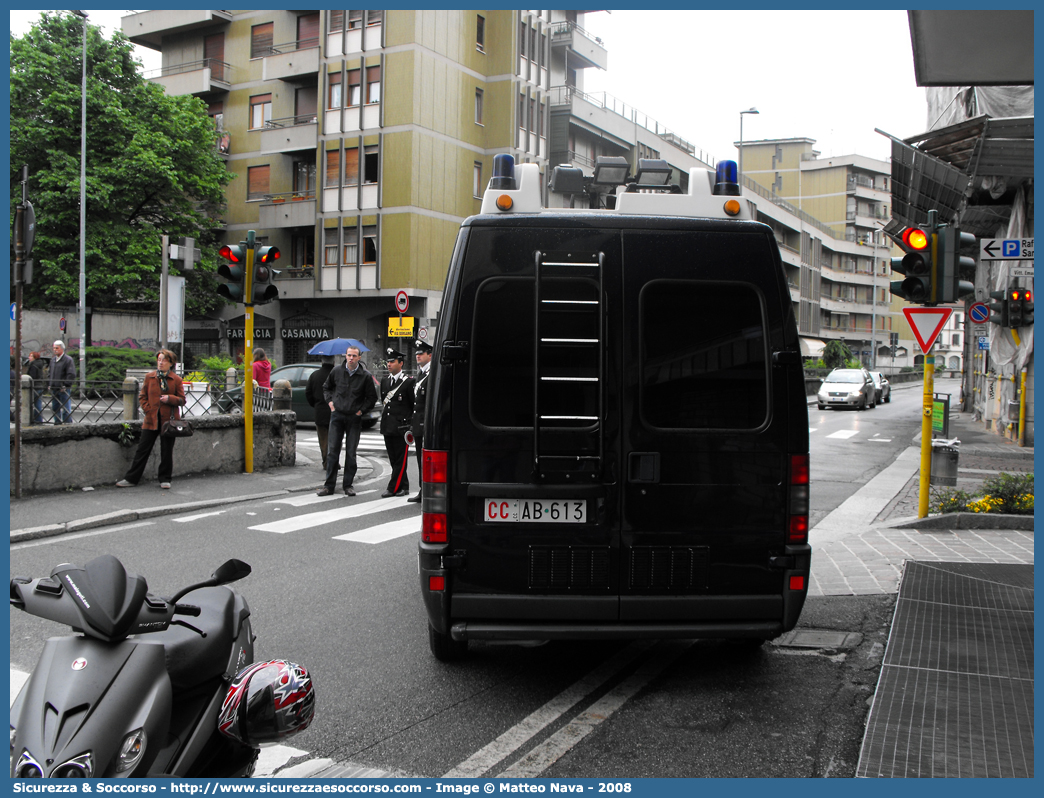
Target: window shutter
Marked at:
333, 167
351, 166
308, 31
257, 181
261, 40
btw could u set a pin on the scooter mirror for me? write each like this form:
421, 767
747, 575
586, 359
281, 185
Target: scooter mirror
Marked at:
231, 571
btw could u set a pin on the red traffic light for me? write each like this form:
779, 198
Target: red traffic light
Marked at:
232, 253
268, 254
1016, 295
1027, 295
915, 238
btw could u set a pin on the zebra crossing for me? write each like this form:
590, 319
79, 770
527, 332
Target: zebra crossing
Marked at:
848, 434
368, 442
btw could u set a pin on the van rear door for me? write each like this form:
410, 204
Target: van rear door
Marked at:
704, 427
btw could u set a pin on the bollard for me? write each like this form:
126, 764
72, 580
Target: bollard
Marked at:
282, 395
131, 387
27, 400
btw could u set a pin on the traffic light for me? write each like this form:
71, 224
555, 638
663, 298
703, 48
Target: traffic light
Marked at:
950, 241
263, 290
235, 271
1027, 307
916, 264
1015, 308
999, 308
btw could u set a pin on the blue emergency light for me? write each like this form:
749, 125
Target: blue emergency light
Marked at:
726, 179
503, 173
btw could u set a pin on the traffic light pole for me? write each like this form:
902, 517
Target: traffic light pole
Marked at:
248, 357
927, 403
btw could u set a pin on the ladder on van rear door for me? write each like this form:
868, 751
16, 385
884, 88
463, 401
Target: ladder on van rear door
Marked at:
568, 358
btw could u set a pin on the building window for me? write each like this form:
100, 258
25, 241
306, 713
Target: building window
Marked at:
333, 168
369, 252
330, 246
478, 106
374, 18
956, 339
336, 21
522, 39
371, 165
261, 40
260, 111
351, 166
335, 91
304, 178
480, 33
307, 31
373, 85
477, 188
257, 182
354, 20
351, 247
354, 88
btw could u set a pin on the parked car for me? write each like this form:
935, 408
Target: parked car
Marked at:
883, 386
297, 375
848, 388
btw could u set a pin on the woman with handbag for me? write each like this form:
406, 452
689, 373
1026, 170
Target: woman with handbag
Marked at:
162, 394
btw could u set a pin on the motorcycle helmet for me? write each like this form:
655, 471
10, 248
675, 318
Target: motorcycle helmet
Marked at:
267, 702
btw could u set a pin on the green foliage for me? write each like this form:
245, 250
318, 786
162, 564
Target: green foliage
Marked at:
110, 363
1011, 494
126, 435
152, 169
836, 354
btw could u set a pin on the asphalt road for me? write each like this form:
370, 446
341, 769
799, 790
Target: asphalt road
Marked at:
337, 591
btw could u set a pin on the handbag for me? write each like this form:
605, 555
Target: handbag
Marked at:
176, 428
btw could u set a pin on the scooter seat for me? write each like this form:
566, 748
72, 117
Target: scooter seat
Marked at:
191, 658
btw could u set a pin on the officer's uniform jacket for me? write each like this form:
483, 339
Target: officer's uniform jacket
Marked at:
398, 410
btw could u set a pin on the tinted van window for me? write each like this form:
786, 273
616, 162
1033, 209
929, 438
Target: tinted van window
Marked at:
502, 360
711, 374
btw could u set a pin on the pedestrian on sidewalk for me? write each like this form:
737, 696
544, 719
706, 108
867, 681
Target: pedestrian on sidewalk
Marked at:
162, 395
262, 370
314, 397
63, 375
397, 395
38, 373
349, 391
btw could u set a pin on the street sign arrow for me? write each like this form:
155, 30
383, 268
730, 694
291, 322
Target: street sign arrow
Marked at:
1006, 249
926, 324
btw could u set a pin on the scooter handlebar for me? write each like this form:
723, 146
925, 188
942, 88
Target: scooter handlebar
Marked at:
186, 609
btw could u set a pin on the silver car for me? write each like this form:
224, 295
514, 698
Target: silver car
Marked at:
882, 386
848, 388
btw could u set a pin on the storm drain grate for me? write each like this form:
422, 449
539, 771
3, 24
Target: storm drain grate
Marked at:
955, 696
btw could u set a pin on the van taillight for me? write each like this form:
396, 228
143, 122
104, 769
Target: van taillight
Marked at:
434, 526
797, 522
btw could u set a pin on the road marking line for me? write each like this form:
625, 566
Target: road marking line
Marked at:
63, 538
310, 520
385, 532
304, 500
843, 434
813, 429
880, 440
514, 738
188, 518
558, 744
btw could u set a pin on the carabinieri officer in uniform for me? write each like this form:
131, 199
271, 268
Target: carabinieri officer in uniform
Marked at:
420, 402
397, 395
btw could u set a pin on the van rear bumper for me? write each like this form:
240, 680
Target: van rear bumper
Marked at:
482, 630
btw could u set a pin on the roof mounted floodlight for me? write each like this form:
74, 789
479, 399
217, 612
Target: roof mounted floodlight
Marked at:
566, 179
653, 172
611, 170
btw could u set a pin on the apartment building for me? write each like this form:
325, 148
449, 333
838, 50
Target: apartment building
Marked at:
360, 139
839, 205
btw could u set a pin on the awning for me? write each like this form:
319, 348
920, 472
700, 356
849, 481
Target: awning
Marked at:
811, 347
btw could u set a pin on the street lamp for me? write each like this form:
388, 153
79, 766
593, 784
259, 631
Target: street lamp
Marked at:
750, 110
82, 315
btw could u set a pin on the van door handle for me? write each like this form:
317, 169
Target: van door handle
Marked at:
643, 467
454, 351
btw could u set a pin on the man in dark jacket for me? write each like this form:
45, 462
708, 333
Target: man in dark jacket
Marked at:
314, 397
397, 395
38, 373
63, 375
349, 391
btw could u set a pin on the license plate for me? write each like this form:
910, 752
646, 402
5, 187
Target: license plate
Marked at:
548, 511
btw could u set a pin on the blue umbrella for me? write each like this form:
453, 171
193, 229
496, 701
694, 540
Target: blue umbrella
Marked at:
336, 346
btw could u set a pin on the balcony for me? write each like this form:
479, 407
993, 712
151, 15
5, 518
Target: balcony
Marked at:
288, 209
194, 77
149, 27
584, 49
296, 60
290, 134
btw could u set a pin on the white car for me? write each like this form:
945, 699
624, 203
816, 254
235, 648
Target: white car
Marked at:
883, 387
848, 388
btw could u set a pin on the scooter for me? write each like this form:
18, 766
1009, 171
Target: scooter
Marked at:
137, 692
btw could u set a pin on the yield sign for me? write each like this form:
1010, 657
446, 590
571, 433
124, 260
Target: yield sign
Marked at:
926, 324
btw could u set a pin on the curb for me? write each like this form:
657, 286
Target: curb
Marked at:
996, 521
124, 516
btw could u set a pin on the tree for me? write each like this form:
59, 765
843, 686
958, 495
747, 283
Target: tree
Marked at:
152, 169
836, 354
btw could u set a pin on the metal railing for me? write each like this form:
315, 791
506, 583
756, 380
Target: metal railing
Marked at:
292, 121
284, 196
561, 29
219, 70
291, 47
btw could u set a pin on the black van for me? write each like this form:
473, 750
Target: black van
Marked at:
616, 443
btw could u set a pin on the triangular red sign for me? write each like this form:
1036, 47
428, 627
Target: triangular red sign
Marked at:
926, 324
